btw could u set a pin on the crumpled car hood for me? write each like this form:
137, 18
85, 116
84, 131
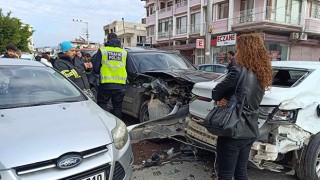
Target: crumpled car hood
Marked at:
39, 133
192, 76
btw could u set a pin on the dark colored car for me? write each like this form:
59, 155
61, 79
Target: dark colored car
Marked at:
218, 68
166, 76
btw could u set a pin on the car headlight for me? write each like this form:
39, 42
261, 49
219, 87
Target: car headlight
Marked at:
120, 134
280, 116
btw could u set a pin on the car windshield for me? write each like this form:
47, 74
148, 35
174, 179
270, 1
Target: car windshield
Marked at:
22, 86
152, 61
284, 77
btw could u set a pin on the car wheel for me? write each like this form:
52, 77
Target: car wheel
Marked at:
309, 166
144, 114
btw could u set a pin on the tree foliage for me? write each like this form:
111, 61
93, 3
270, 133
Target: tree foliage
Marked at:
13, 31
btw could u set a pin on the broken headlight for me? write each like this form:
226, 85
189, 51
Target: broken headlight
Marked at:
280, 116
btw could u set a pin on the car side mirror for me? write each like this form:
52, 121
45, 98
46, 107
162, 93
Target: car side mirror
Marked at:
318, 110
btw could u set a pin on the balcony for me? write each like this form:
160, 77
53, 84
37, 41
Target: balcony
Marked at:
194, 3
181, 31
312, 25
164, 34
181, 7
195, 29
262, 17
165, 12
151, 20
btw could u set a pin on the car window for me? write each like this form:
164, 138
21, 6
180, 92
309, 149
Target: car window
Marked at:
22, 86
208, 68
288, 77
221, 69
284, 77
151, 61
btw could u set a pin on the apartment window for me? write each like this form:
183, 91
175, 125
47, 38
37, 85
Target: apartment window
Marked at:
182, 25
195, 22
314, 9
223, 10
180, 3
114, 29
170, 4
164, 24
128, 40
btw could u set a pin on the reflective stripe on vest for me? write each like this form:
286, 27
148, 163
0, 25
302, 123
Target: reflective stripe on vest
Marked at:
113, 65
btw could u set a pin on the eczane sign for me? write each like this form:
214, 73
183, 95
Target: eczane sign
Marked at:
225, 40
200, 43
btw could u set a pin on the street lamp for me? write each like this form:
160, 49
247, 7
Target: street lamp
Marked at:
87, 30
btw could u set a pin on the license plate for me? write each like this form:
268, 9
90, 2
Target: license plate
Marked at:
100, 176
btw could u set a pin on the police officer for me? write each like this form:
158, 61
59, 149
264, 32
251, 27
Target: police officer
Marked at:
110, 63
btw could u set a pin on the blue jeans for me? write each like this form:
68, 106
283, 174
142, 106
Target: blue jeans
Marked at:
232, 158
116, 96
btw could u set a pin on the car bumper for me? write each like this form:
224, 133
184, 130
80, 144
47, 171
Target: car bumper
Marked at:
115, 163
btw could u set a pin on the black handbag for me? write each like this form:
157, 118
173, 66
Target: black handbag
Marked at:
225, 120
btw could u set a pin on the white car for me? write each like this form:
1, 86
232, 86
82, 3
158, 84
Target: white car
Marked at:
289, 121
51, 130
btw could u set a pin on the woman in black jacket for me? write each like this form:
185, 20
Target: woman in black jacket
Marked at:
253, 58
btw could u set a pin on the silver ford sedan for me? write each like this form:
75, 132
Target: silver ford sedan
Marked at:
49, 129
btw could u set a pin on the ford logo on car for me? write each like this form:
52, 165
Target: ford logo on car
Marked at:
69, 161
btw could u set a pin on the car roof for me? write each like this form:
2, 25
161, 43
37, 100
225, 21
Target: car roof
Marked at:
139, 49
18, 62
297, 64
212, 65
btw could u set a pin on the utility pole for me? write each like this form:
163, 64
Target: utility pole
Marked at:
124, 31
87, 29
208, 33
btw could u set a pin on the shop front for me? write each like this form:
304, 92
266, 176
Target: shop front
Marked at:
221, 45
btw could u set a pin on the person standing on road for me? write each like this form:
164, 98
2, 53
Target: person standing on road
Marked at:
11, 52
110, 63
253, 58
231, 60
73, 69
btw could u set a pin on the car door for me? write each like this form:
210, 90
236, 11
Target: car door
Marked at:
127, 105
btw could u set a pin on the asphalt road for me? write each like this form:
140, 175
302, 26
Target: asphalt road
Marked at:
192, 170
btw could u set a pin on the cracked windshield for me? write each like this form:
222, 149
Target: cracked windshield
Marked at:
160, 90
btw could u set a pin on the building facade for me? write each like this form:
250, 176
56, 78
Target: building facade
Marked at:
131, 34
290, 28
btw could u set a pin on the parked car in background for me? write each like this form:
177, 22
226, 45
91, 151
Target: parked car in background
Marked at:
289, 121
51, 130
218, 68
166, 76
27, 56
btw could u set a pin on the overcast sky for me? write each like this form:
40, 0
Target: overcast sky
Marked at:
52, 20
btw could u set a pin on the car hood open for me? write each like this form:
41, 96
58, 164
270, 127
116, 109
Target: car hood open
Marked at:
192, 76
39, 133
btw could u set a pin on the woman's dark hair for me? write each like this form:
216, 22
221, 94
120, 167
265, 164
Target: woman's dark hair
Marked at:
252, 54
11, 47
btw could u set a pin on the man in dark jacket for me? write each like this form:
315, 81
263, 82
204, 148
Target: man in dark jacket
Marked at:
11, 52
71, 68
110, 63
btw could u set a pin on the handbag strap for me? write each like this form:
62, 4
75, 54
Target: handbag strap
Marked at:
241, 78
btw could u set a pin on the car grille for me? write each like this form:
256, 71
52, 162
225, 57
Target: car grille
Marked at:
119, 172
105, 168
20, 170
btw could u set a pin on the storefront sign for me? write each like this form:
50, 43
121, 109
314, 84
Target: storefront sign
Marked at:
225, 40
200, 43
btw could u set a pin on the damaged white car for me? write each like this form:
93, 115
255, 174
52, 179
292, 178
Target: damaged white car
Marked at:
289, 121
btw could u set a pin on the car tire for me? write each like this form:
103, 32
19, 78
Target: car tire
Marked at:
143, 113
310, 160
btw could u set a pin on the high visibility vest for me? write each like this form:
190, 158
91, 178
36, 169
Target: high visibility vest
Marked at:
113, 65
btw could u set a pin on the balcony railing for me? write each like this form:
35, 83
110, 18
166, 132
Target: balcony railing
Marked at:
181, 30
279, 15
163, 34
181, 4
165, 9
195, 28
